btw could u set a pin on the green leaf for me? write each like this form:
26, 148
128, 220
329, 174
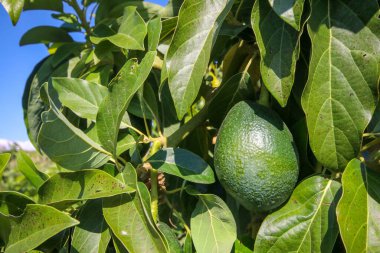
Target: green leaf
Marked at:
359, 207
130, 35
184, 164
30, 171
306, 223
136, 231
279, 49
190, 49
92, 234
289, 10
234, 90
213, 228
239, 247
154, 31
171, 238
188, 244
168, 27
80, 185
53, 5
13, 203
4, 159
45, 34
125, 143
341, 93
67, 145
82, 97
37, 224
14, 9
122, 88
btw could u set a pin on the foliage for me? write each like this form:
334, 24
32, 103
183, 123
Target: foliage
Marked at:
130, 115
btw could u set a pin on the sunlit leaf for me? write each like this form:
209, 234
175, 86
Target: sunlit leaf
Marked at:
37, 224
306, 223
359, 208
190, 49
341, 92
183, 163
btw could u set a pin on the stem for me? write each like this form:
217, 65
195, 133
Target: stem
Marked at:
82, 17
154, 182
179, 216
154, 193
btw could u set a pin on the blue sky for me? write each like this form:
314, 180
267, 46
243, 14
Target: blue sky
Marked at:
15, 65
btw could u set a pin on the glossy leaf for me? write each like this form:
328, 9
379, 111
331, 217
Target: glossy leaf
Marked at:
13, 203
306, 223
213, 228
122, 88
359, 208
279, 49
30, 171
37, 224
65, 144
130, 35
14, 9
190, 48
45, 34
4, 159
341, 93
184, 164
289, 10
136, 231
32, 103
80, 185
92, 235
82, 97
154, 30
54, 5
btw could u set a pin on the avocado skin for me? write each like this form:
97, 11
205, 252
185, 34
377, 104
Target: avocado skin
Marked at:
255, 157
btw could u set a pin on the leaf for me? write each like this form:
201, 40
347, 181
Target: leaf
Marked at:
4, 159
29, 170
239, 247
154, 30
53, 5
13, 203
92, 234
32, 103
341, 93
359, 207
80, 185
289, 10
168, 27
190, 49
136, 231
14, 9
306, 223
279, 50
130, 35
188, 244
126, 83
234, 90
67, 145
37, 224
184, 164
45, 34
213, 228
82, 97
171, 238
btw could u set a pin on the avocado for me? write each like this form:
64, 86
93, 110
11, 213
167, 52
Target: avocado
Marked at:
255, 157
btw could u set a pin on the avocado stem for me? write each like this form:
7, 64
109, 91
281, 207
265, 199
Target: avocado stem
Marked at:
264, 98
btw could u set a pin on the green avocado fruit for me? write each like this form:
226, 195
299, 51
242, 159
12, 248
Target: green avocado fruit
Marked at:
255, 157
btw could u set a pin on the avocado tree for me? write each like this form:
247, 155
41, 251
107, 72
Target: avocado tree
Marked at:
132, 114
